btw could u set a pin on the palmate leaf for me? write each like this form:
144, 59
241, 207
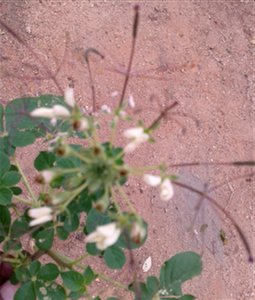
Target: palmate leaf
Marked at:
176, 270
23, 129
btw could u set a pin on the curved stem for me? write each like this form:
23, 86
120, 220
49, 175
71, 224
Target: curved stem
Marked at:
222, 209
25, 180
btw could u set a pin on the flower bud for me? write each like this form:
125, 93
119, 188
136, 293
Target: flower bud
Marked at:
166, 190
152, 180
61, 111
43, 112
69, 96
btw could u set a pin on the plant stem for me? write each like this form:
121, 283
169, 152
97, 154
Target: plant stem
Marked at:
113, 282
61, 259
79, 259
141, 170
125, 198
22, 200
25, 180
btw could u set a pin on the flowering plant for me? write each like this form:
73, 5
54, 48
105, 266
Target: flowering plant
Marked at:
78, 181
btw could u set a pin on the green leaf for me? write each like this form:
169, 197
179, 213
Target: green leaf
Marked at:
62, 233
179, 268
141, 289
48, 272
44, 239
34, 267
74, 281
10, 178
152, 284
5, 163
92, 249
45, 160
72, 222
16, 190
12, 245
21, 138
114, 257
5, 221
19, 227
5, 146
1, 117
112, 298
89, 275
26, 291
95, 219
5, 196
49, 291
78, 294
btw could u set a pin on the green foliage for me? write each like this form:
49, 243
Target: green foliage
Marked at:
75, 179
45, 160
38, 282
181, 267
114, 257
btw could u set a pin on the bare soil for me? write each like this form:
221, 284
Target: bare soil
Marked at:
199, 53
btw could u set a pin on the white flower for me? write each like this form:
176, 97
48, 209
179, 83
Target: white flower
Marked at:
69, 96
166, 190
106, 109
43, 112
48, 175
104, 236
137, 136
40, 215
60, 111
152, 180
84, 125
137, 232
57, 111
131, 101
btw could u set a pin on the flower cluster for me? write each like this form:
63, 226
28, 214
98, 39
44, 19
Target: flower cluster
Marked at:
166, 188
137, 136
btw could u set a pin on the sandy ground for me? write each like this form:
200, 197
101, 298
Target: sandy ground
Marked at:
199, 53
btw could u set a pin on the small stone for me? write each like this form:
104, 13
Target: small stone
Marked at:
147, 264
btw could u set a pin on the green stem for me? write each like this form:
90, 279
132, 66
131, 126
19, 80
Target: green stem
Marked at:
61, 259
75, 193
125, 198
24, 201
140, 170
81, 157
79, 259
25, 180
112, 281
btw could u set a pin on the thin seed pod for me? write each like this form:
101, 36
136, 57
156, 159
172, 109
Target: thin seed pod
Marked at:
86, 57
222, 209
232, 163
155, 123
135, 28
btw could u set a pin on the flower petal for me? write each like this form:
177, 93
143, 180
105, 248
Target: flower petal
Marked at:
42, 112
166, 190
152, 180
61, 111
41, 220
69, 96
39, 212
